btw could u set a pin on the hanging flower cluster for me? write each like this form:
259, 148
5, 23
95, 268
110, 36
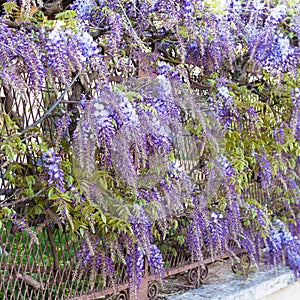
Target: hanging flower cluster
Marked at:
135, 266
265, 171
295, 121
55, 173
284, 243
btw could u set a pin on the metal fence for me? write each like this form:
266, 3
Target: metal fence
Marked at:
44, 267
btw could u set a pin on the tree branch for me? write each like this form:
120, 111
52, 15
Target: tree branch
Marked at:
49, 111
23, 199
53, 248
52, 8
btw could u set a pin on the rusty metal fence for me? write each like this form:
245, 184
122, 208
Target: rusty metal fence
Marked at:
42, 266
44, 269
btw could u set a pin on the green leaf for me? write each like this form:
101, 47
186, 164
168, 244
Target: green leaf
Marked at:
172, 156
103, 218
7, 211
247, 223
114, 123
38, 210
175, 224
66, 15
54, 197
69, 219
51, 192
180, 239
29, 192
10, 7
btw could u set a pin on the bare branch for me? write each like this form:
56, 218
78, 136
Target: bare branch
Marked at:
23, 199
49, 111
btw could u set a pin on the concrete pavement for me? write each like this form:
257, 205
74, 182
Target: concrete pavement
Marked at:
292, 292
222, 284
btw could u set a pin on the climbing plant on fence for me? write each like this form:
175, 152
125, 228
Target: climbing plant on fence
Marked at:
98, 100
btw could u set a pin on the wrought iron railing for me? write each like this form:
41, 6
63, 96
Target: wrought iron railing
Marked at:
44, 268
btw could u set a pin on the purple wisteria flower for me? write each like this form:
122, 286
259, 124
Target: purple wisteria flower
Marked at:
281, 54
88, 47
269, 46
176, 171
141, 226
62, 125
279, 134
223, 92
193, 52
258, 4
115, 22
295, 120
234, 7
218, 232
226, 166
187, 8
156, 262
20, 222
260, 215
57, 54
91, 257
83, 9
276, 15
252, 116
139, 264
26, 45
55, 173
36, 68
296, 24
67, 52
265, 170
135, 265
197, 230
283, 242
224, 106
127, 114
167, 70
103, 116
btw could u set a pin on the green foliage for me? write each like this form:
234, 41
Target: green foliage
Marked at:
10, 8
68, 19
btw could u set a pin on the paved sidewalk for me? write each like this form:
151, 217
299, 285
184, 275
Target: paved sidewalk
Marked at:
291, 292
222, 284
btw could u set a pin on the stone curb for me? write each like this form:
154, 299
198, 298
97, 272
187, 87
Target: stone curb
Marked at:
257, 286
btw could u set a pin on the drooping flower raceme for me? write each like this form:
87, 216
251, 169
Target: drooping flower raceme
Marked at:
62, 125
83, 9
279, 134
135, 266
276, 15
281, 53
67, 52
55, 173
128, 130
103, 116
88, 47
156, 262
295, 120
284, 243
224, 106
265, 170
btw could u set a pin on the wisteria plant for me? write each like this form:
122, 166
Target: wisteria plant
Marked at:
110, 108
